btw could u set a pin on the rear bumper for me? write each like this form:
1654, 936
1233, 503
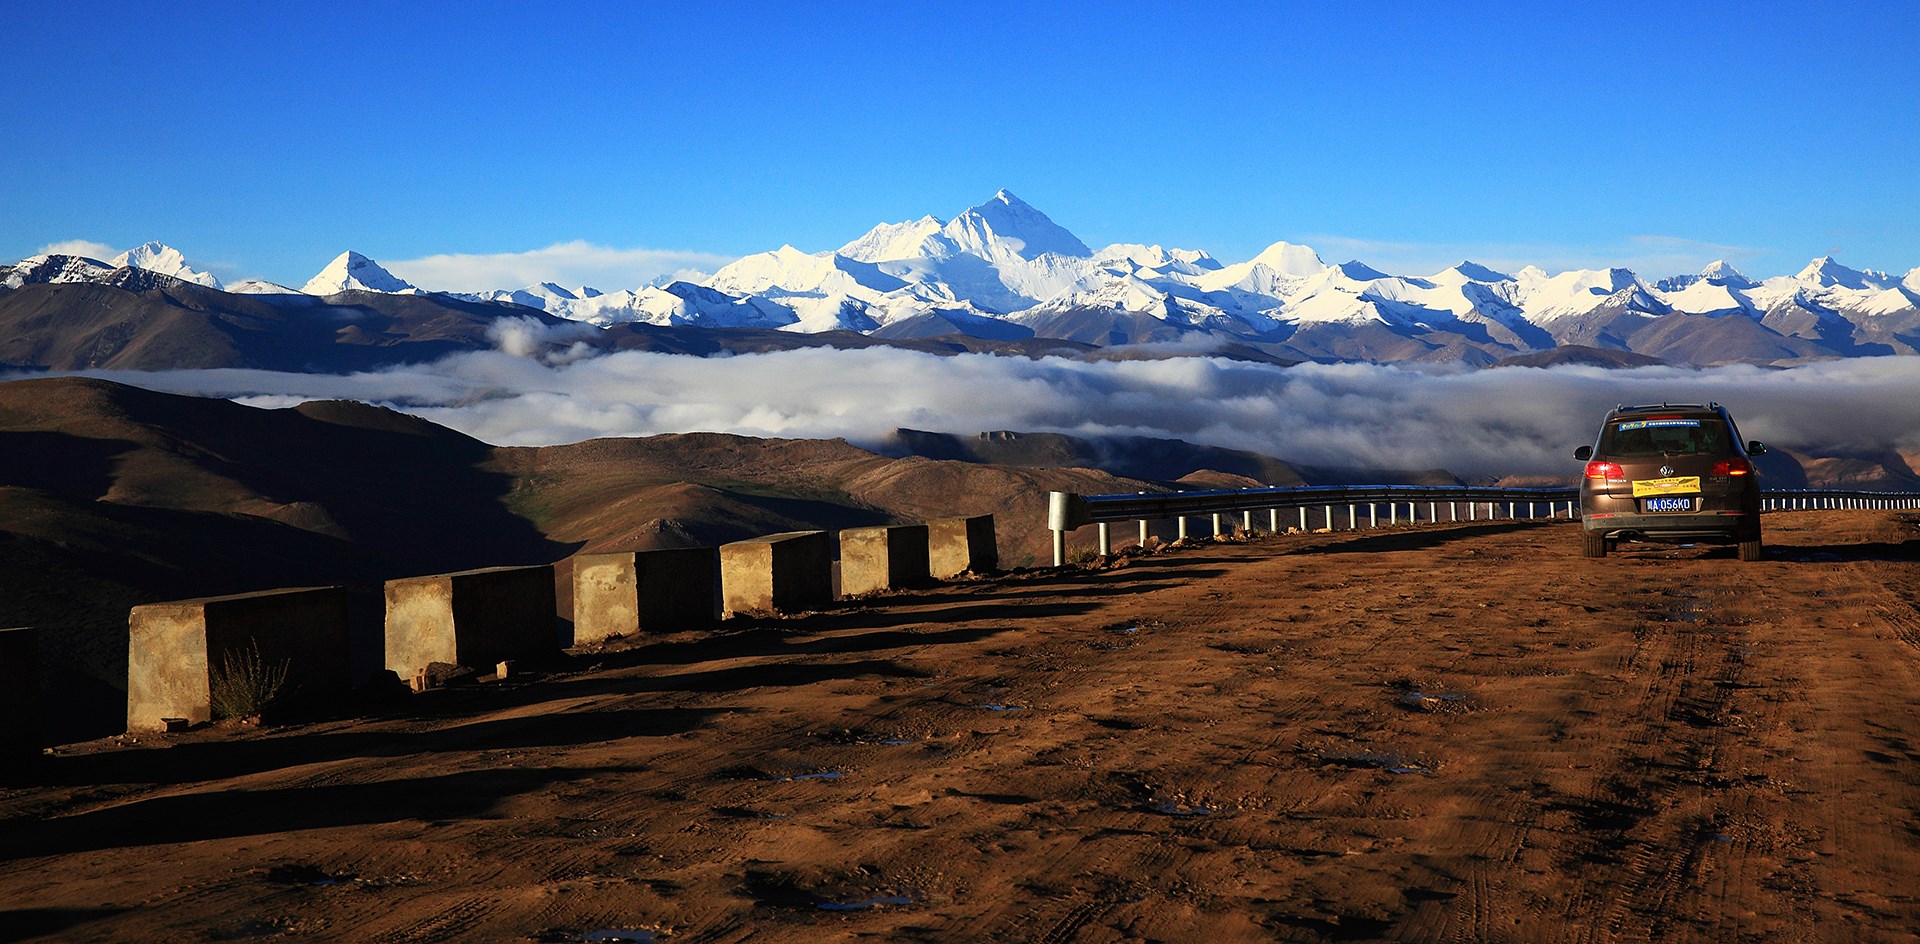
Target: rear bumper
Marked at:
1712, 526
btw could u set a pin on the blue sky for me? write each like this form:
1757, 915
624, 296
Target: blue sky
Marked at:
263, 139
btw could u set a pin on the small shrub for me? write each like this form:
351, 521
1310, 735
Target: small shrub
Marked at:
244, 684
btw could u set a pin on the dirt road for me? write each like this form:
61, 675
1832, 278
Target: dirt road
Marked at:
1442, 733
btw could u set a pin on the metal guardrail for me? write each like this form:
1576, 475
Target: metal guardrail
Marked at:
1067, 511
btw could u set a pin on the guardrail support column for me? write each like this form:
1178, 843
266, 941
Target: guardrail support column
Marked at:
1246, 521
1216, 525
1143, 532
1106, 541
1273, 520
1182, 519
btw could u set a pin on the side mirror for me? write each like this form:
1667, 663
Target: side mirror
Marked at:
1586, 452
1756, 448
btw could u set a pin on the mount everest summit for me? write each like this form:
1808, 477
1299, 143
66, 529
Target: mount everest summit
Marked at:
1004, 270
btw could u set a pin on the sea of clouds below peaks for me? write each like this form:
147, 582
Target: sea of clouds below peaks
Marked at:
1478, 423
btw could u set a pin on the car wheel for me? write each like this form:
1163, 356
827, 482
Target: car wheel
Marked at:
1593, 545
1752, 550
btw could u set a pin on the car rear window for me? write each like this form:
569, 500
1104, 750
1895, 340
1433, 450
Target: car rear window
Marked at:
1665, 436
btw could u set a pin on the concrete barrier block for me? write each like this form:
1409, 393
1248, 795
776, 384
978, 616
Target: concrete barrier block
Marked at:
475, 618
635, 592
20, 695
176, 651
958, 545
777, 572
890, 557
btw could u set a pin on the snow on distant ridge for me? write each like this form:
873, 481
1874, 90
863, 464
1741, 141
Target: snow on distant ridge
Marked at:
351, 271
166, 260
1003, 267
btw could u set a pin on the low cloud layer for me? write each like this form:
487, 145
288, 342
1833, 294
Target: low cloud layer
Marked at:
1507, 421
78, 247
571, 264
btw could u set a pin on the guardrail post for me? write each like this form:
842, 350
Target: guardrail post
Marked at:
1373, 515
1065, 512
1182, 530
1273, 520
1329, 517
1216, 524
1303, 519
1106, 541
1143, 532
1246, 521
1393, 513
1353, 517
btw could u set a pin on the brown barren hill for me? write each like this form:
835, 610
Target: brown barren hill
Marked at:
116, 496
1434, 733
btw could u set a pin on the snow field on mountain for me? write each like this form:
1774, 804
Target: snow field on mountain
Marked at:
1004, 267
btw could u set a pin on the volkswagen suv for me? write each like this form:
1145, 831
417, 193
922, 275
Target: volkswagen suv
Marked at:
1670, 473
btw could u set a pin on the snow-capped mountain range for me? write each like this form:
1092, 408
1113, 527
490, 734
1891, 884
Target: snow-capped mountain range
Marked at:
1003, 269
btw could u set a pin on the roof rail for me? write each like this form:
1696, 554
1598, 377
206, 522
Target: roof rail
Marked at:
1622, 408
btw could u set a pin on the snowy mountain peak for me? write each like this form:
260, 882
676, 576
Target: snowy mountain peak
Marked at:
1827, 273
1007, 226
164, 259
1291, 260
1722, 272
1912, 281
351, 271
1359, 271
889, 241
1475, 272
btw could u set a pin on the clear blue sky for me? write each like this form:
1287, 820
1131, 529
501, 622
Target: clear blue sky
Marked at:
266, 138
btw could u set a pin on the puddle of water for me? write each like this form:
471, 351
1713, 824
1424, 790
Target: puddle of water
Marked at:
1177, 808
884, 901
816, 775
1433, 701
619, 936
1004, 707
1391, 763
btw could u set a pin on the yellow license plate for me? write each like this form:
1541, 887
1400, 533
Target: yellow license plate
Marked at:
1678, 485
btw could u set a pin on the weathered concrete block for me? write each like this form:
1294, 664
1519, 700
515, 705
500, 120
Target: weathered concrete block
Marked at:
790, 571
177, 651
475, 618
20, 695
889, 557
957, 545
644, 591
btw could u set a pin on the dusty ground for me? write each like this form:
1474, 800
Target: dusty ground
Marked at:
1447, 733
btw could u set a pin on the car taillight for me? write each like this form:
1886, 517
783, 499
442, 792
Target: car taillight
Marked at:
1610, 471
1731, 467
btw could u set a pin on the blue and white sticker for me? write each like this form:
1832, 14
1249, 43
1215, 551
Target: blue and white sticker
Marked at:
1656, 424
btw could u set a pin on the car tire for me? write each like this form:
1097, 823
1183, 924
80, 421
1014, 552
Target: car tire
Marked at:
1593, 545
1751, 550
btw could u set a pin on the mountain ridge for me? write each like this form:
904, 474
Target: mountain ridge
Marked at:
1004, 268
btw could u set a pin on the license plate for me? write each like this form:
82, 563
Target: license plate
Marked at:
1677, 485
1669, 504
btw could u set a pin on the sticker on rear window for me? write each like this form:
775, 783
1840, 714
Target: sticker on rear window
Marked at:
1656, 424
